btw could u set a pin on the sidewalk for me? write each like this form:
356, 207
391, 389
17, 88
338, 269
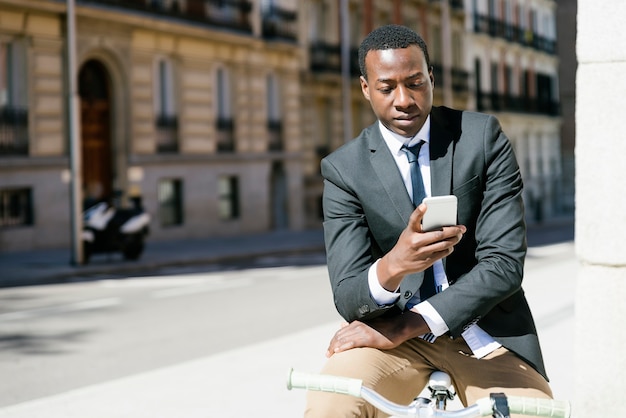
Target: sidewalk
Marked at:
53, 266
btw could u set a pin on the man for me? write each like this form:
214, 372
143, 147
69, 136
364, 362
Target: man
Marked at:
478, 326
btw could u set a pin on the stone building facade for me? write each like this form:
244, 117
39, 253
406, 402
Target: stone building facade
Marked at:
216, 113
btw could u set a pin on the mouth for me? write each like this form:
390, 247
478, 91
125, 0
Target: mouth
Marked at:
405, 119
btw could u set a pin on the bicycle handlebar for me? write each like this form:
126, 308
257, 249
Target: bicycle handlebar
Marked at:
483, 407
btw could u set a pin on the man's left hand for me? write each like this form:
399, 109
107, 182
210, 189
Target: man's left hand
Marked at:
381, 333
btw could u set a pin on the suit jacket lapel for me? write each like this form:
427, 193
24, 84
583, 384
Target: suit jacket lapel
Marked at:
383, 164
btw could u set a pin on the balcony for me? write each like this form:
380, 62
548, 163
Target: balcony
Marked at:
499, 102
326, 58
460, 78
13, 131
230, 14
455, 5
279, 24
167, 134
225, 135
525, 37
275, 130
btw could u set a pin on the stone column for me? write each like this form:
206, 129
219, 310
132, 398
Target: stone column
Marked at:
600, 210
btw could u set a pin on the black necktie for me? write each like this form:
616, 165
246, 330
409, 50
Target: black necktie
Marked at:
419, 193
416, 176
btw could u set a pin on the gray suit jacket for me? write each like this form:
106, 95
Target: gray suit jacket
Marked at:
366, 207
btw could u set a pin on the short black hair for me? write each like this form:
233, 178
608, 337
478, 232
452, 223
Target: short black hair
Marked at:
390, 37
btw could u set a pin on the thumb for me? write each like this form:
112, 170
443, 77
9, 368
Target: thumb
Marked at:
415, 220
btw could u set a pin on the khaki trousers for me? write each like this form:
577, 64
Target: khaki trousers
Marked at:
401, 373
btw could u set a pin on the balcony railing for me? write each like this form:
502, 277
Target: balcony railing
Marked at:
225, 135
275, 130
456, 5
460, 78
167, 134
279, 23
499, 102
16, 207
326, 57
13, 131
231, 14
525, 37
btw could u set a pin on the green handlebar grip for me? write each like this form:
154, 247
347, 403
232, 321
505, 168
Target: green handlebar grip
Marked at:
324, 383
531, 406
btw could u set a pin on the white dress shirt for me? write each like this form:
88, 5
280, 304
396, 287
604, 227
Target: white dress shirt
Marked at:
477, 339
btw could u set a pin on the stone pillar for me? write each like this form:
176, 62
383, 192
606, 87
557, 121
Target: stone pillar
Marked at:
600, 210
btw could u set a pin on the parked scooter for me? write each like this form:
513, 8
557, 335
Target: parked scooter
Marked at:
108, 228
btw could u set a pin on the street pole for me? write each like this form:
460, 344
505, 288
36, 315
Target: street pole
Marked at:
73, 127
345, 71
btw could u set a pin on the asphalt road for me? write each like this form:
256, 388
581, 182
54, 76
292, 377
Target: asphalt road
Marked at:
60, 337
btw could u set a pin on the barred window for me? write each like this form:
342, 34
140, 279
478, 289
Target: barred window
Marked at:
228, 197
16, 207
170, 202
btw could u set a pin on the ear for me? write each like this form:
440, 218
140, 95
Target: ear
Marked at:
365, 88
431, 76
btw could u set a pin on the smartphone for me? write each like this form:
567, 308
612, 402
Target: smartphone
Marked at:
441, 212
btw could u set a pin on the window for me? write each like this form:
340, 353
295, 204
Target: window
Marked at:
434, 48
13, 109
225, 125
16, 207
171, 202
165, 109
228, 188
319, 19
274, 120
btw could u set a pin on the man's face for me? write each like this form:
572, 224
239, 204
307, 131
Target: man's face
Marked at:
399, 87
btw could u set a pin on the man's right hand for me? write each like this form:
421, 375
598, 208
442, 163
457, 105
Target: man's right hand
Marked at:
416, 250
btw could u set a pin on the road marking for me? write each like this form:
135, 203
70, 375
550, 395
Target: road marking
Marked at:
214, 286
61, 309
160, 281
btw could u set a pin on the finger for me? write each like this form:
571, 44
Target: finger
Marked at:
415, 220
462, 229
454, 233
337, 345
331, 347
345, 347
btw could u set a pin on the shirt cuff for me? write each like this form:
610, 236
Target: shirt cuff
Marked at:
381, 295
434, 321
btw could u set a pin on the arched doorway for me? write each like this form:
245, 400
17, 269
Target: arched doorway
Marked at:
95, 118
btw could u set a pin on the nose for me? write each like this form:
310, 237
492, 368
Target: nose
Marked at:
404, 97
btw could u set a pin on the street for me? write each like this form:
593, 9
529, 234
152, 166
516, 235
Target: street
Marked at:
191, 342
60, 337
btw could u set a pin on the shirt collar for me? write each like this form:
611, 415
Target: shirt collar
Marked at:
395, 141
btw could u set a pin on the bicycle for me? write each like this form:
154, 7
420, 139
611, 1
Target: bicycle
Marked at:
497, 405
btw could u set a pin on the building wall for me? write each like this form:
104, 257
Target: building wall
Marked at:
535, 132
130, 44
